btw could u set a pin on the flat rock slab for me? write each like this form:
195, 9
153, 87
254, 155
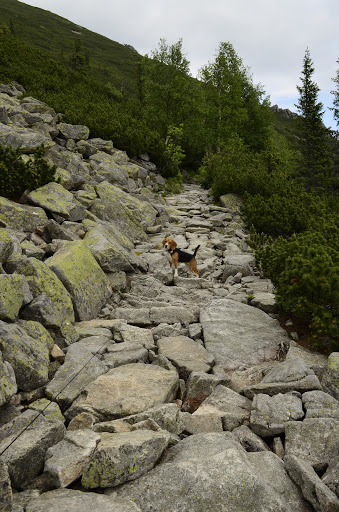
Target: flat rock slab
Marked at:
186, 354
212, 472
78, 501
239, 335
127, 390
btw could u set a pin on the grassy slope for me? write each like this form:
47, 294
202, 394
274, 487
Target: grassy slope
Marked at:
56, 35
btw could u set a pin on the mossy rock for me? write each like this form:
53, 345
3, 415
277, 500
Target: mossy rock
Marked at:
82, 277
42, 279
21, 217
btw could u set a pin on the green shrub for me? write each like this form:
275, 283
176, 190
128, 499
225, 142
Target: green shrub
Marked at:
16, 175
305, 272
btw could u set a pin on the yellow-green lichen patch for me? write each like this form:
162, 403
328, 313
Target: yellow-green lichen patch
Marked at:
42, 279
21, 216
82, 277
11, 296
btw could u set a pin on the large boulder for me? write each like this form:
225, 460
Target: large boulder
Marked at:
128, 213
239, 335
109, 253
11, 296
8, 385
213, 472
107, 168
21, 216
42, 280
82, 277
26, 346
123, 457
73, 131
127, 390
54, 198
23, 138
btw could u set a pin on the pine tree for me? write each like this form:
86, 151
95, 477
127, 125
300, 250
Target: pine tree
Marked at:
314, 135
335, 109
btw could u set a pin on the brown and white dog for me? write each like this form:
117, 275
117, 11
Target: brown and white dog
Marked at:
176, 256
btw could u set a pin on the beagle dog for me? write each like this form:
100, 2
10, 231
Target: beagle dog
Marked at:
177, 256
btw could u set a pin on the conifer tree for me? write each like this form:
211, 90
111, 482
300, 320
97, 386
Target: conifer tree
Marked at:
314, 135
335, 109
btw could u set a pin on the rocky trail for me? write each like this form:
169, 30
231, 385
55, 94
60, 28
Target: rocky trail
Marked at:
124, 389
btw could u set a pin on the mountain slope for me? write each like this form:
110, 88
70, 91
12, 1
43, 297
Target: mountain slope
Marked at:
109, 60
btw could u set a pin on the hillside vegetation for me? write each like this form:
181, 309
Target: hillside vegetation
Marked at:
219, 128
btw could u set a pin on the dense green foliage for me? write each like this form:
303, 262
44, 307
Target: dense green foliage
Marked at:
18, 175
221, 124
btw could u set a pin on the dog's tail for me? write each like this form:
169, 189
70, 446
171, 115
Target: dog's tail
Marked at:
196, 250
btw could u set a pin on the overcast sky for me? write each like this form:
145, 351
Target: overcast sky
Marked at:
270, 36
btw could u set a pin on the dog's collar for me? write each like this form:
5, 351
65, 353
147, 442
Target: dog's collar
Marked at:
171, 251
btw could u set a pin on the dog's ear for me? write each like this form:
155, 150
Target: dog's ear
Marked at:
173, 244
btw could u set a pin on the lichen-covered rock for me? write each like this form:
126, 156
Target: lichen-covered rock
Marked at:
26, 347
107, 167
50, 410
11, 296
213, 472
6, 245
319, 404
127, 390
21, 216
23, 138
54, 198
6, 496
8, 385
42, 310
82, 277
42, 280
123, 457
73, 131
111, 256
121, 208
